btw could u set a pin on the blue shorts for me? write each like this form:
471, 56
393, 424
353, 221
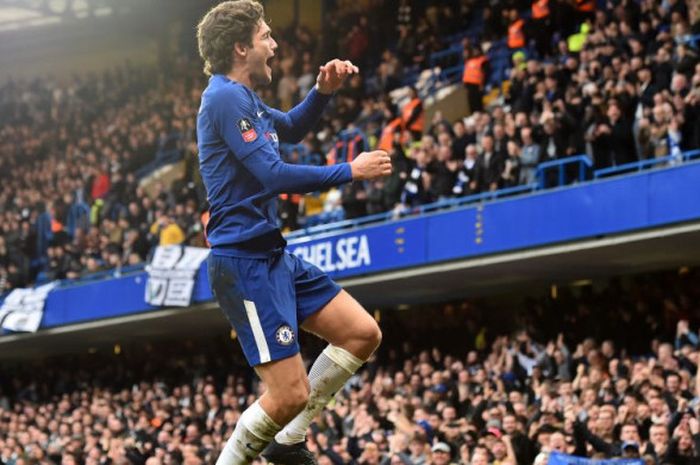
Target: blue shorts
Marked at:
266, 299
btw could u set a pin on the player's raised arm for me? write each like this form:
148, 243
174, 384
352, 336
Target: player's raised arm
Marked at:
235, 118
280, 177
293, 125
331, 76
371, 165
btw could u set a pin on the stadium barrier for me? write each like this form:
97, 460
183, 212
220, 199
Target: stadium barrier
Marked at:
494, 224
581, 163
669, 160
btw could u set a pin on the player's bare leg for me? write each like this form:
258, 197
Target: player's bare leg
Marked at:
353, 336
345, 324
285, 397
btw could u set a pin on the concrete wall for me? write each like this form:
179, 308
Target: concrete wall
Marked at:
283, 12
452, 102
65, 49
165, 175
96, 44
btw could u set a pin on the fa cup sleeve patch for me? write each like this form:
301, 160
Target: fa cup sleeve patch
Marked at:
247, 130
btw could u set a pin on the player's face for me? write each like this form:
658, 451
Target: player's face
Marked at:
263, 50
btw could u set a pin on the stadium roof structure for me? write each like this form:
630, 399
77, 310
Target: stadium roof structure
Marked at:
23, 14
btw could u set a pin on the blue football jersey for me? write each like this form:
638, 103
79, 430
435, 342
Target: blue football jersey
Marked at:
238, 138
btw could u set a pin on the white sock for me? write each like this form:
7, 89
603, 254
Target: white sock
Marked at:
254, 430
328, 374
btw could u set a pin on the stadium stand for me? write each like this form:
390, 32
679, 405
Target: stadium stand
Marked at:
493, 391
561, 92
625, 91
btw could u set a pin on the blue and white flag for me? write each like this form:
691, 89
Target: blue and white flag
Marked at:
171, 275
23, 309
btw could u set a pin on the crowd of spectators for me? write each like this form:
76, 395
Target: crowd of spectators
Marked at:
69, 197
494, 390
72, 149
620, 84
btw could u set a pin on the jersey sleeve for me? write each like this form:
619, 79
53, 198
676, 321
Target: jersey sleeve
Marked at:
278, 177
234, 118
293, 125
234, 115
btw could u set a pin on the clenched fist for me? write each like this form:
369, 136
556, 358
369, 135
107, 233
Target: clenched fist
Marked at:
371, 165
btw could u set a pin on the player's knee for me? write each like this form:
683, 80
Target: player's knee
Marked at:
376, 337
371, 335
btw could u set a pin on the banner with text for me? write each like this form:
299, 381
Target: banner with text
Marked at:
171, 275
376, 248
23, 309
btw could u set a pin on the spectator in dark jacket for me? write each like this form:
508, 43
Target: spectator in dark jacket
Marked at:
489, 166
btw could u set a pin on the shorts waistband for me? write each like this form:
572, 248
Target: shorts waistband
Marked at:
270, 243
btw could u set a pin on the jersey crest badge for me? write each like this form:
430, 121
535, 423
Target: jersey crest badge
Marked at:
284, 335
247, 130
